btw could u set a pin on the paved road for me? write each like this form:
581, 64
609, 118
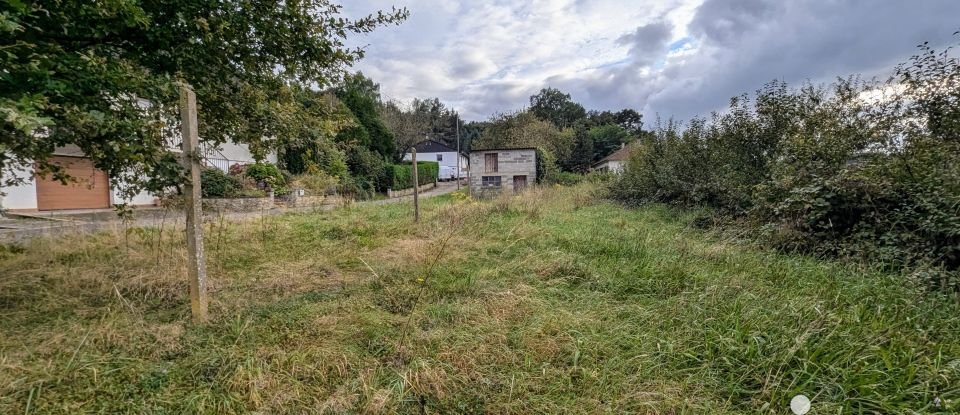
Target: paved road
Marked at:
21, 229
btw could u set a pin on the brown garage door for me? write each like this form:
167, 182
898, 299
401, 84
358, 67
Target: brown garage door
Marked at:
91, 189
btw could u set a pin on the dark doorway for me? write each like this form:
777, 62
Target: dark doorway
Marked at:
519, 183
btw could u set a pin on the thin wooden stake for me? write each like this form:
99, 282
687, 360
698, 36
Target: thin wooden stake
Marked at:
416, 188
196, 263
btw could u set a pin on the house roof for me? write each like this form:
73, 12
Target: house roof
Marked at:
430, 146
620, 155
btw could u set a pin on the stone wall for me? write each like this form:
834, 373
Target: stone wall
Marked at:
293, 200
510, 163
249, 204
408, 192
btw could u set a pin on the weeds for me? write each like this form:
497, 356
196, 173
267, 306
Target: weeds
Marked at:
544, 303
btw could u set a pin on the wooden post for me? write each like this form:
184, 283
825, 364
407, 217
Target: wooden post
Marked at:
196, 263
416, 188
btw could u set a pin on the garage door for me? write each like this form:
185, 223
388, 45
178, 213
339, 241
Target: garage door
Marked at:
90, 190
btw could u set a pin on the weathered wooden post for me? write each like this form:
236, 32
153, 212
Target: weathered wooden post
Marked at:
416, 188
196, 262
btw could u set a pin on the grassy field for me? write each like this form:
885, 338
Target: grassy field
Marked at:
552, 302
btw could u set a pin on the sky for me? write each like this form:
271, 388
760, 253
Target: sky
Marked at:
666, 58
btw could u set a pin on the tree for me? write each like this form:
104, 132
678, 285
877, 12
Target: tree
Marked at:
314, 149
407, 126
581, 157
422, 118
362, 96
521, 130
555, 106
606, 139
628, 119
102, 76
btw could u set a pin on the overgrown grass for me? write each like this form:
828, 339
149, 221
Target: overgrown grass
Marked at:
545, 303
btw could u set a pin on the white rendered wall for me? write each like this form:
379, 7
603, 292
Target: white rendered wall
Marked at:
20, 197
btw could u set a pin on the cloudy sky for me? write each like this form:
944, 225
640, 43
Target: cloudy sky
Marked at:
668, 57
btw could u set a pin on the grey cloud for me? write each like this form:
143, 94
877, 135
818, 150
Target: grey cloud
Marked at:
810, 40
725, 20
648, 42
494, 56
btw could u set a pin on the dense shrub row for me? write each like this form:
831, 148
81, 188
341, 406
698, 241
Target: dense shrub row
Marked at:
867, 169
243, 180
402, 174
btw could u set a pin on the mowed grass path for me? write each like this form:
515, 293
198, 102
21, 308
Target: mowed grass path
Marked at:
551, 302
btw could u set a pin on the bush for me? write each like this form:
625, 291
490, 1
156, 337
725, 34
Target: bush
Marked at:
402, 174
355, 188
368, 169
315, 184
566, 178
216, 183
267, 175
825, 171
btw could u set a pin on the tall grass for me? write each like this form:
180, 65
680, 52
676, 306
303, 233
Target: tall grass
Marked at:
543, 303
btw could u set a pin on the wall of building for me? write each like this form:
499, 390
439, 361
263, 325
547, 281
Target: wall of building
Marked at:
614, 166
23, 197
228, 154
510, 163
449, 159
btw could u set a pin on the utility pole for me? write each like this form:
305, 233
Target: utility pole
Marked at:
196, 263
458, 151
416, 187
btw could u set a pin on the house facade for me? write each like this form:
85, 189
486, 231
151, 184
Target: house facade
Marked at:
93, 189
615, 162
493, 171
452, 164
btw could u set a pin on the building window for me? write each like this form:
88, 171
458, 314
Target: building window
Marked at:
491, 162
490, 181
439, 157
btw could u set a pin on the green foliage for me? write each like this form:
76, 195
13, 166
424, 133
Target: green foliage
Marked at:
421, 118
606, 139
359, 188
567, 178
267, 174
402, 174
314, 150
101, 76
216, 183
316, 183
524, 130
583, 153
863, 169
368, 169
552, 105
362, 96
628, 119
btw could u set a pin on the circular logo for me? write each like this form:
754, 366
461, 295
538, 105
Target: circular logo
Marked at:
800, 404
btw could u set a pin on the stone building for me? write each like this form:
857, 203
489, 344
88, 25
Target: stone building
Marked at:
502, 169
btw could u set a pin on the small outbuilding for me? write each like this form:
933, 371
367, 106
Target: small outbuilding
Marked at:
495, 170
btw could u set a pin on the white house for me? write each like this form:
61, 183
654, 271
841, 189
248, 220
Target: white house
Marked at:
447, 157
615, 161
93, 189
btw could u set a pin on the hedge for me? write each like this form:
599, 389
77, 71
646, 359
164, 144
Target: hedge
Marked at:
402, 173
